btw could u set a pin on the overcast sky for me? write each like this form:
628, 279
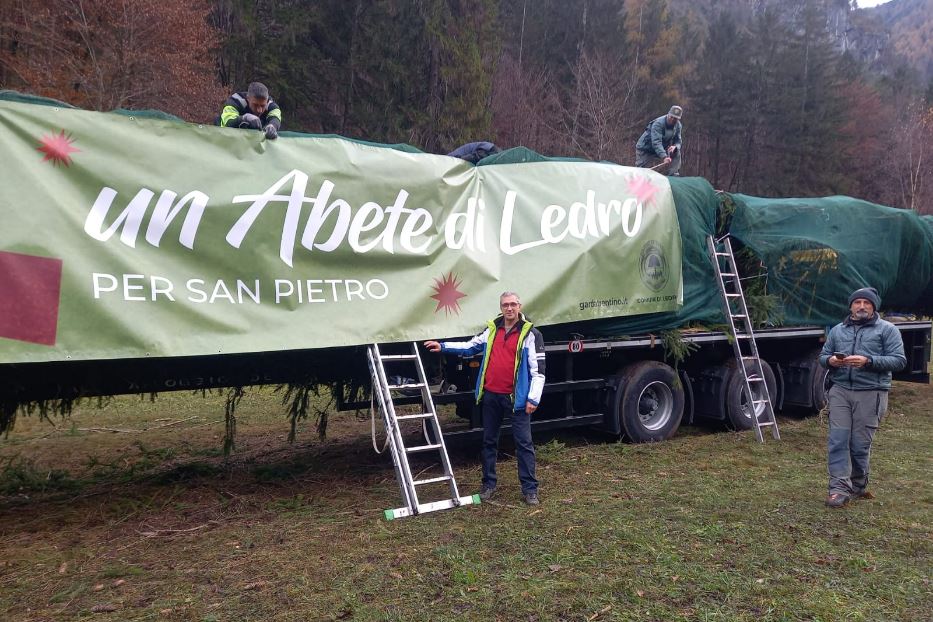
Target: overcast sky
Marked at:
864, 4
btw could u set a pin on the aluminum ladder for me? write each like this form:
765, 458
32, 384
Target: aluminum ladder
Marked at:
735, 309
434, 439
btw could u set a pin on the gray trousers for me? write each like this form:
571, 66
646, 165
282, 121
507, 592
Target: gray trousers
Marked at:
648, 160
854, 417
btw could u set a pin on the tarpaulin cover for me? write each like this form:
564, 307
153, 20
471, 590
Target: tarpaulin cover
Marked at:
697, 205
818, 251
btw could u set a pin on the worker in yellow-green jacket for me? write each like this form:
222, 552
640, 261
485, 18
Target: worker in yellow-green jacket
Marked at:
253, 110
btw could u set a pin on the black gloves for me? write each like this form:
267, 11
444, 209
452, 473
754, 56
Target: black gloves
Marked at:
250, 121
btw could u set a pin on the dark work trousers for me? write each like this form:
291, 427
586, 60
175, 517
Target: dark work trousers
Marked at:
495, 407
853, 419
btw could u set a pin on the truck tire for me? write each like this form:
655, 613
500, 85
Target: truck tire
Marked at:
809, 383
651, 402
738, 409
820, 384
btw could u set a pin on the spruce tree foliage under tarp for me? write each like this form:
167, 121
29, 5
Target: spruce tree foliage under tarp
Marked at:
818, 251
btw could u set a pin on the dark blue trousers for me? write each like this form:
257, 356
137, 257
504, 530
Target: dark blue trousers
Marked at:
495, 408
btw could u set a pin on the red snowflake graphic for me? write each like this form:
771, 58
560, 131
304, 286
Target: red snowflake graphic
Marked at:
447, 295
57, 148
642, 188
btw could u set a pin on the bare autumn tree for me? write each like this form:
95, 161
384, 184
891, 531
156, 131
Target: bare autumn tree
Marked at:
864, 145
525, 109
106, 54
604, 107
912, 158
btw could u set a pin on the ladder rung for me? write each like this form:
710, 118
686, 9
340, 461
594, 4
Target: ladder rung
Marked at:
718, 254
766, 424
726, 274
759, 401
416, 385
398, 357
420, 448
754, 379
418, 416
433, 480
734, 295
739, 315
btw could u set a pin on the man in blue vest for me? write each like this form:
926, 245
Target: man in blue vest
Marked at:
253, 110
510, 382
661, 142
860, 353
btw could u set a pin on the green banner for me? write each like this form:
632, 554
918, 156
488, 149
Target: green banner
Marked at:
128, 237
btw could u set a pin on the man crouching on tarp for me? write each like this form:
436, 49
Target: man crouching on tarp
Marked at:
510, 382
860, 352
253, 110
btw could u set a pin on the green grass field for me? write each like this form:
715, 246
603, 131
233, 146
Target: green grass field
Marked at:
132, 513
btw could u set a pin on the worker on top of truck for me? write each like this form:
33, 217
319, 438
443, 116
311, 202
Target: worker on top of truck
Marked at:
474, 152
660, 143
860, 352
253, 109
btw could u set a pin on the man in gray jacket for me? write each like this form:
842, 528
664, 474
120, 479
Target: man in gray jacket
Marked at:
660, 142
860, 352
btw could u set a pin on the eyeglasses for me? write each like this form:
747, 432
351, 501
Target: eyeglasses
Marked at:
505, 305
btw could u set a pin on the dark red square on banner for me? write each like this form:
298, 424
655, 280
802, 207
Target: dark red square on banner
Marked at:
30, 289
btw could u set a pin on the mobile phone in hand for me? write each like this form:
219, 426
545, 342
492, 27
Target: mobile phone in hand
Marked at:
839, 355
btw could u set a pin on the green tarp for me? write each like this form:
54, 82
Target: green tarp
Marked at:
817, 251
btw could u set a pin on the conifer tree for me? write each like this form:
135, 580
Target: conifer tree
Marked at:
757, 99
720, 102
654, 37
810, 109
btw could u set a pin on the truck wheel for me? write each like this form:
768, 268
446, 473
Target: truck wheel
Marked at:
820, 380
651, 404
805, 383
738, 408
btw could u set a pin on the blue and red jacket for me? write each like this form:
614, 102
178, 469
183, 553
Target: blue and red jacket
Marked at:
529, 360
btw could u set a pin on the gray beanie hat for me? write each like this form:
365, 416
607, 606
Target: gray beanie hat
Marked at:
868, 293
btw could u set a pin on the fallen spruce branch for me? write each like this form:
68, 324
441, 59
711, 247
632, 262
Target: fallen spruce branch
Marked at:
136, 431
170, 532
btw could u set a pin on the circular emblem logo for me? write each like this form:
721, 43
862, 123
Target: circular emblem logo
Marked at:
575, 346
652, 265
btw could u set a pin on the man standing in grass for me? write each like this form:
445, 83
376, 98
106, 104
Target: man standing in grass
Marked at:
860, 352
510, 382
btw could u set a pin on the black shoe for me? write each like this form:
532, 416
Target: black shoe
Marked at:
531, 498
837, 500
487, 493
